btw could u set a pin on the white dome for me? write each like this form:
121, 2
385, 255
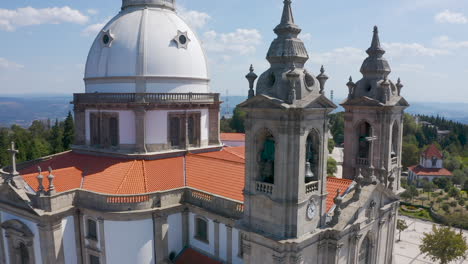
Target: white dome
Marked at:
140, 51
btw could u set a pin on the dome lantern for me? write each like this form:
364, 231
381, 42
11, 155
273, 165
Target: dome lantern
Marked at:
169, 4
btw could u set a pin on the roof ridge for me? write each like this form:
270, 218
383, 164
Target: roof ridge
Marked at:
125, 177
213, 158
233, 153
145, 179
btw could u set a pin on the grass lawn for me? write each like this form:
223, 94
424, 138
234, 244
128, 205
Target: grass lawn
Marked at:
423, 214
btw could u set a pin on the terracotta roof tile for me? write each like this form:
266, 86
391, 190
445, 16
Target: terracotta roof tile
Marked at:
421, 171
190, 256
240, 151
432, 151
232, 137
334, 184
218, 176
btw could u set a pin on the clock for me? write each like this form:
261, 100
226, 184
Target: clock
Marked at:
311, 210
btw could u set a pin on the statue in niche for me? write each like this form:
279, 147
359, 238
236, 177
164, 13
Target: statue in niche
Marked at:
267, 160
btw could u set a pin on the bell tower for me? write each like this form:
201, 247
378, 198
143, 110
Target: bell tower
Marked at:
286, 142
374, 122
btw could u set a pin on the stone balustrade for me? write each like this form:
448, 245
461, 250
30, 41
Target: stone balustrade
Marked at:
264, 187
157, 98
118, 203
362, 161
311, 187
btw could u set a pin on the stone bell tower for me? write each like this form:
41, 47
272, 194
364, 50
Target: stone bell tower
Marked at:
374, 121
286, 146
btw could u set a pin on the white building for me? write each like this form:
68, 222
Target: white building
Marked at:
148, 180
429, 168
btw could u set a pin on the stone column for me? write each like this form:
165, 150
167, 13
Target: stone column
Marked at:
229, 256
51, 238
161, 228
140, 129
213, 123
216, 237
80, 125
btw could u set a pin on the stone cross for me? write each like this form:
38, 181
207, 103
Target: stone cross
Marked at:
13, 153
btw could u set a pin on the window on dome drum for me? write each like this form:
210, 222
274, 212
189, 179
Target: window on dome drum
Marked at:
105, 39
364, 144
93, 259
312, 157
184, 129
364, 252
201, 229
91, 229
182, 39
267, 158
104, 129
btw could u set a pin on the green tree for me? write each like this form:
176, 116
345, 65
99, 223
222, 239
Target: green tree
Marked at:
444, 245
410, 154
332, 166
401, 226
68, 132
237, 121
337, 127
410, 193
331, 145
225, 125
56, 138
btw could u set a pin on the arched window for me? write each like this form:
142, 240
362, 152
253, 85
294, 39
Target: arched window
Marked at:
201, 229
23, 254
365, 132
267, 158
312, 157
394, 153
364, 252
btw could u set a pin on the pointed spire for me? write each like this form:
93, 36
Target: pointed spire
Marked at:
287, 17
375, 48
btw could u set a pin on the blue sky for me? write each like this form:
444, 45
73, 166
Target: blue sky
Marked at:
44, 44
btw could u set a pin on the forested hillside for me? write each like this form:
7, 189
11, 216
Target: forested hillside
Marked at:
40, 139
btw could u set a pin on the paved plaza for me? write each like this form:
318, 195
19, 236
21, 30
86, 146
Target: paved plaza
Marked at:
407, 250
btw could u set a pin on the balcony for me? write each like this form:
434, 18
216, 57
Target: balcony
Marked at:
152, 98
264, 187
362, 162
311, 187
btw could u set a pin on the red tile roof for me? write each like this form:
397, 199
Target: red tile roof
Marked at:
421, 171
432, 151
232, 137
190, 256
333, 185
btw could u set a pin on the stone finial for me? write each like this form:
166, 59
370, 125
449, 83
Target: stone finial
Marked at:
309, 175
359, 183
51, 178
337, 212
40, 179
287, 16
251, 77
375, 64
322, 78
399, 86
351, 85
375, 49
13, 153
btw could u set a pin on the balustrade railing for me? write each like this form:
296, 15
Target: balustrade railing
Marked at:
264, 187
362, 161
394, 161
145, 97
311, 187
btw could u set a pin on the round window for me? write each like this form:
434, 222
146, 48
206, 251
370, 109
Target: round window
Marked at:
105, 39
182, 39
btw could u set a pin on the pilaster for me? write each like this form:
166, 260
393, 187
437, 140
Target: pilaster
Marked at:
161, 228
213, 123
216, 237
229, 243
140, 129
80, 125
185, 228
51, 238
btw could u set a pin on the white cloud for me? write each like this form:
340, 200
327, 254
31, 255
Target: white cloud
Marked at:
339, 56
409, 68
6, 64
92, 11
27, 16
447, 43
194, 18
411, 49
306, 36
450, 17
93, 29
241, 41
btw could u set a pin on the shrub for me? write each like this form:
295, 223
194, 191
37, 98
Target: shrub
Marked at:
445, 207
453, 204
461, 202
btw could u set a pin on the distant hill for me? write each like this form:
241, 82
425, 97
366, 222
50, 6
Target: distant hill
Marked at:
24, 110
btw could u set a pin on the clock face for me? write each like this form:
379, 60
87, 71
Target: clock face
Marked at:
311, 210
